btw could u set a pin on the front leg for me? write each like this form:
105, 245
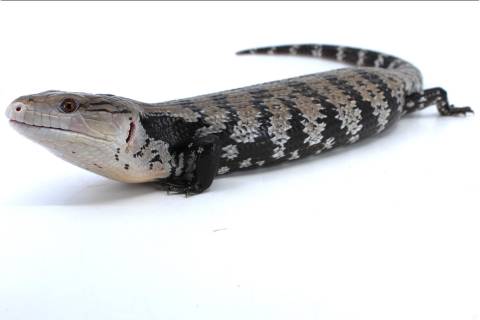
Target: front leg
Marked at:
208, 158
201, 166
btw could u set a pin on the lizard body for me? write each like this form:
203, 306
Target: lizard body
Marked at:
183, 144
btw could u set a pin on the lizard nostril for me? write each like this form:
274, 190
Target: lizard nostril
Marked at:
18, 109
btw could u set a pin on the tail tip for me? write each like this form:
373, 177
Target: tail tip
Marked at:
245, 52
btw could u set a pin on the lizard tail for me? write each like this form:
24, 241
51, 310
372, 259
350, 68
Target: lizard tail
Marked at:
349, 55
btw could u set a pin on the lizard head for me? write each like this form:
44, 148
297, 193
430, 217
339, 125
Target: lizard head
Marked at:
98, 132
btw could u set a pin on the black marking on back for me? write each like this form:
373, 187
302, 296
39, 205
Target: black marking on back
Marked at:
175, 131
368, 120
297, 136
333, 125
387, 91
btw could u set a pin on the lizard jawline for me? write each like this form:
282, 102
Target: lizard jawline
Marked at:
20, 125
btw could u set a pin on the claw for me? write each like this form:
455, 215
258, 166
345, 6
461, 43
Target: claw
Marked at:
462, 110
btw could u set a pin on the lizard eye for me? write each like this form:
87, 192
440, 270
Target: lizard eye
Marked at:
68, 106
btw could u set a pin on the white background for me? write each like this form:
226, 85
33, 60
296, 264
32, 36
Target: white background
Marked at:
386, 229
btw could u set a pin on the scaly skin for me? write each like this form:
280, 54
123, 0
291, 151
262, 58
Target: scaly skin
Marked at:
183, 144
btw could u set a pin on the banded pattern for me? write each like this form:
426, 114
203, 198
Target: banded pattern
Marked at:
350, 55
293, 118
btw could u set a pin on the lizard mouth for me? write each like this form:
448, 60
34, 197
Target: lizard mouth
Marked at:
28, 127
16, 122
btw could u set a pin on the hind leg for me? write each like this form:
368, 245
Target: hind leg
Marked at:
433, 96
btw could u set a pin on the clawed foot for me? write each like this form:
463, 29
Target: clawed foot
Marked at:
186, 190
451, 111
171, 188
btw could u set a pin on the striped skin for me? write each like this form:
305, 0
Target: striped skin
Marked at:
184, 144
293, 118
349, 55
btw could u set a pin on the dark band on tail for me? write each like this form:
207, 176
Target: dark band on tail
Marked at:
350, 55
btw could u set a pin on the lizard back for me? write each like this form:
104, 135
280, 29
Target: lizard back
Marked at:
289, 119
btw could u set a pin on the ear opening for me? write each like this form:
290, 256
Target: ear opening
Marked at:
131, 131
